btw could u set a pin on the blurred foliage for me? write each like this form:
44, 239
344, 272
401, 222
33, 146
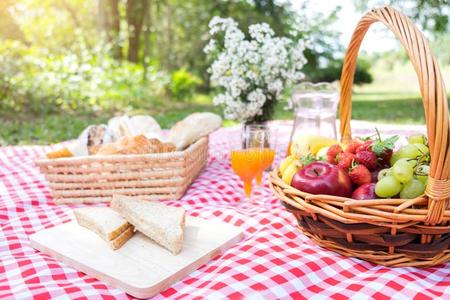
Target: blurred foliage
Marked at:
432, 15
83, 57
183, 84
439, 45
39, 81
333, 71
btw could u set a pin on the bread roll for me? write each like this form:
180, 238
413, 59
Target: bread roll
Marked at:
122, 126
193, 127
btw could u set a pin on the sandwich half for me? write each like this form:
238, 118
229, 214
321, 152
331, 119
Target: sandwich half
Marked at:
106, 223
161, 223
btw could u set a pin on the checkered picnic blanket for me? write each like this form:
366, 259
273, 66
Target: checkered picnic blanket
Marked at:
274, 260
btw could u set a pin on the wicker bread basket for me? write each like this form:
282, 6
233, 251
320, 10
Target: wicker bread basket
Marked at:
92, 179
391, 232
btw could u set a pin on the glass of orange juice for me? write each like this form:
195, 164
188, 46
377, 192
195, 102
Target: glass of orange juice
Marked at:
265, 139
246, 163
251, 154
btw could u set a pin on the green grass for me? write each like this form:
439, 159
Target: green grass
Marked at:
400, 108
388, 108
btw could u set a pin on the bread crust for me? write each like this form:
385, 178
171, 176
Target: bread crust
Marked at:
122, 238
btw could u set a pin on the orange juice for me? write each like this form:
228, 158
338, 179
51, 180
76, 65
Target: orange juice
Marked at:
267, 156
288, 151
246, 164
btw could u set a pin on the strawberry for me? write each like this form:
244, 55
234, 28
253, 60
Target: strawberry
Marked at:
354, 145
332, 152
345, 160
364, 146
385, 157
367, 158
384, 148
360, 175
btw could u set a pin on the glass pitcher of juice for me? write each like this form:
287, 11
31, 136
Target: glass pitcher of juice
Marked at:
315, 106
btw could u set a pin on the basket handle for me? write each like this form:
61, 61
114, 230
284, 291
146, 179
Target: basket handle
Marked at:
433, 96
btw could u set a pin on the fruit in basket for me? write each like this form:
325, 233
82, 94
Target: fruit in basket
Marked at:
345, 160
424, 153
310, 144
412, 162
388, 187
422, 173
403, 171
364, 164
366, 146
290, 166
394, 158
289, 173
385, 158
383, 149
417, 139
353, 146
384, 173
423, 149
365, 192
285, 163
333, 152
322, 153
367, 158
360, 175
374, 175
409, 168
409, 151
323, 178
414, 153
412, 189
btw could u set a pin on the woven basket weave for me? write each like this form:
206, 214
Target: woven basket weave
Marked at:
92, 179
392, 232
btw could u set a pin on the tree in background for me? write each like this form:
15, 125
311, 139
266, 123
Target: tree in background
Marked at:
88, 53
432, 15
167, 34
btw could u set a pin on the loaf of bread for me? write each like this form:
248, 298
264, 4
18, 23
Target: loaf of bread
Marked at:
124, 126
193, 127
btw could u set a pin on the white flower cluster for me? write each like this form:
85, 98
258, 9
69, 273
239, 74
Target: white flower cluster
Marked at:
251, 71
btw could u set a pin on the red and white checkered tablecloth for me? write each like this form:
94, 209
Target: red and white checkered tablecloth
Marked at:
273, 261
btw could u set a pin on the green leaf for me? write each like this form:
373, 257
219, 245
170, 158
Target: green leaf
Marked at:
307, 159
380, 146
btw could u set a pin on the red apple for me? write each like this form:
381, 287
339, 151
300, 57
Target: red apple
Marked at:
323, 178
365, 192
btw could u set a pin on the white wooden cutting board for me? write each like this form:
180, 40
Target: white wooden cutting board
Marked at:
141, 268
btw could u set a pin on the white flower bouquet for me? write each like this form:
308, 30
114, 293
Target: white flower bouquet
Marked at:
253, 72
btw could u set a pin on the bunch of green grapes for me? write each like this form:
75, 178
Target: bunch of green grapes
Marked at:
408, 174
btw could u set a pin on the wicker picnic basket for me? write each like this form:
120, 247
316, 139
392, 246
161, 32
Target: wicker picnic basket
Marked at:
391, 232
93, 179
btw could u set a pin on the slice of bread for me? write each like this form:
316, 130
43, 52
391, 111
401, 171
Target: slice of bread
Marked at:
163, 224
107, 223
